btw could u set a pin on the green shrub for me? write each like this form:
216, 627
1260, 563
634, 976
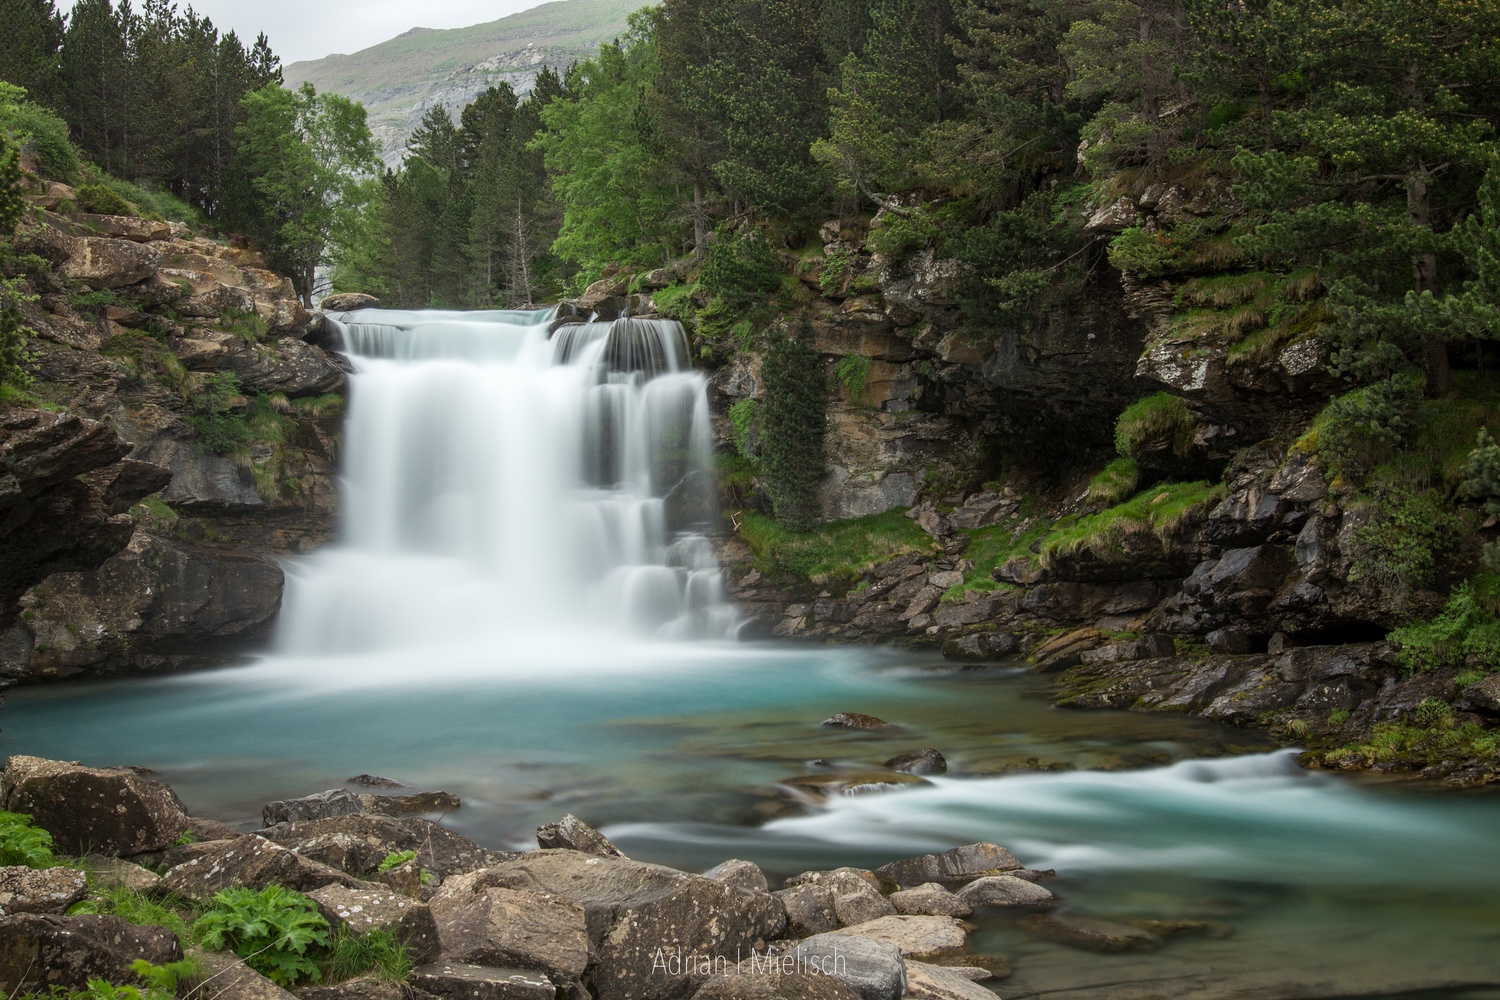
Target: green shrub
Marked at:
741, 268
378, 953
1468, 626
96, 199
39, 130
136, 908
13, 292
1406, 536
1191, 245
792, 427
835, 269
248, 326
853, 370
1162, 416
1363, 428
277, 932
219, 431
24, 844
836, 550
1117, 482
742, 417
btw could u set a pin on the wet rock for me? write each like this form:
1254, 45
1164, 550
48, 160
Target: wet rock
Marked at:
573, 834
525, 928
916, 936
1485, 694
44, 890
323, 805
1092, 934
111, 811
361, 911
1144, 648
980, 647
854, 720
38, 952
809, 909
951, 868
741, 874
375, 781
459, 981
1229, 640
821, 786
1066, 650
930, 899
1005, 890
773, 979
633, 909
358, 843
348, 302
100, 262
937, 982
255, 863
924, 761
873, 969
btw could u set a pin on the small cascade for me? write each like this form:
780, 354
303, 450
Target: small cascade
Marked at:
501, 480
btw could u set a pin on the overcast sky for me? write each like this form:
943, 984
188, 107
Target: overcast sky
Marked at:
311, 29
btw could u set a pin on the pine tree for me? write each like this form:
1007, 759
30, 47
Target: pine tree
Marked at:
793, 425
29, 43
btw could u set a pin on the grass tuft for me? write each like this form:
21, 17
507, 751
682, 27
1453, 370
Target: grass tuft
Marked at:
838, 550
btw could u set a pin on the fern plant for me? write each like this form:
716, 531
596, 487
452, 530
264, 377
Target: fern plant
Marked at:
24, 844
278, 933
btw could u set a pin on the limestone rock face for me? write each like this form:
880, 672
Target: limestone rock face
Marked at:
45, 890
633, 909
106, 810
38, 952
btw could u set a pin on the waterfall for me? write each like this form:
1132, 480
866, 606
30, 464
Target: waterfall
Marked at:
501, 479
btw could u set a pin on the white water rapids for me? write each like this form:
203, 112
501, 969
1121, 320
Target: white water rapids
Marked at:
501, 481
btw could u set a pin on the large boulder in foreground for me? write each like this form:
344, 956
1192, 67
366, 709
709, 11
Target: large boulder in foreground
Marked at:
952, 868
255, 863
511, 927
363, 911
38, 952
357, 843
104, 810
637, 913
462, 981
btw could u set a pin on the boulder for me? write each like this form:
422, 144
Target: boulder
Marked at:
773, 978
930, 899
334, 802
1005, 890
1485, 694
40, 951
348, 302
634, 910
118, 873
916, 936
573, 834
873, 969
255, 863
414, 804
358, 843
855, 896
1092, 934
855, 720
511, 927
459, 981
363, 988
809, 910
360, 911
980, 647
228, 978
44, 890
100, 262
1067, 649
126, 227
113, 811
741, 874
924, 761
952, 868
937, 982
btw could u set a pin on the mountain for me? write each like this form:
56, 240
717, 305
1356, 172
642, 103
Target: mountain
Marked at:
398, 80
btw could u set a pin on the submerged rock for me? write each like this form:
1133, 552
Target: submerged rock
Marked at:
951, 868
1091, 933
855, 720
924, 761
112, 811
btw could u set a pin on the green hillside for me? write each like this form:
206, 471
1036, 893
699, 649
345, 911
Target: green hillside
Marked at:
398, 79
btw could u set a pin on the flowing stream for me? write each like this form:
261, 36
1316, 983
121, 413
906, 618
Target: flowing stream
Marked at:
524, 610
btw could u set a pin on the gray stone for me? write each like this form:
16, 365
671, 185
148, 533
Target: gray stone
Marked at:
773, 978
227, 977
323, 805
916, 936
1228, 640
873, 969
44, 890
1485, 693
348, 302
937, 982
930, 899
1005, 890
358, 843
742, 874
100, 262
40, 951
255, 863
855, 896
460, 981
980, 647
363, 988
414, 804
809, 909
924, 761
951, 868
573, 834
361, 911
1092, 934
526, 928
105, 810
119, 873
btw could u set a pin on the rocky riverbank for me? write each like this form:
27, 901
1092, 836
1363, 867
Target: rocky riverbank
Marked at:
571, 919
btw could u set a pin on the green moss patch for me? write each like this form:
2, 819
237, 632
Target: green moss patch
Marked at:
1160, 510
838, 550
1157, 417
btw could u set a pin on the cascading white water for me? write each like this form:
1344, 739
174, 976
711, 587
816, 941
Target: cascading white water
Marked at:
501, 479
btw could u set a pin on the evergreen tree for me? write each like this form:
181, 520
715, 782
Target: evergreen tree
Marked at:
793, 426
29, 43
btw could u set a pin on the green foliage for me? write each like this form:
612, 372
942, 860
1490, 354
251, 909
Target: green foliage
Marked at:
1117, 482
1190, 245
835, 270
248, 326
137, 908
994, 546
396, 859
742, 416
792, 427
137, 199
1157, 418
1360, 429
1467, 628
1160, 510
1482, 472
1406, 538
836, 550
741, 268
23, 844
1416, 745
276, 931
39, 131
13, 293
97, 199
852, 370
219, 430
378, 953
